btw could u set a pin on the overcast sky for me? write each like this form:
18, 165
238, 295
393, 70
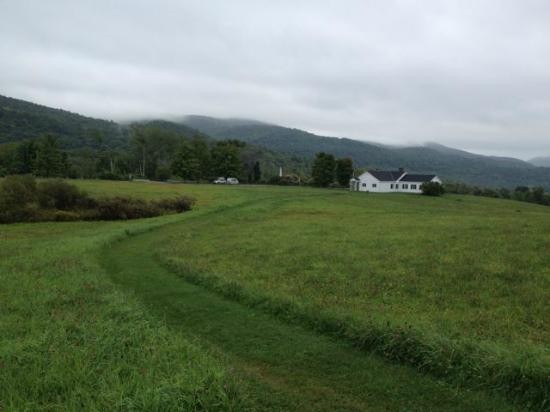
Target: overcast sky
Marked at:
469, 74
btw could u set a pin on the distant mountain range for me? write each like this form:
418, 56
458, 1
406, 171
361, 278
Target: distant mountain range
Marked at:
543, 161
449, 163
21, 120
293, 148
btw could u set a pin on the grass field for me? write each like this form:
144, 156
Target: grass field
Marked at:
457, 287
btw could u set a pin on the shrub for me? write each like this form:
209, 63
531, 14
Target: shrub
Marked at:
122, 208
432, 189
178, 204
163, 173
16, 191
55, 215
286, 180
22, 200
17, 199
111, 176
58, 194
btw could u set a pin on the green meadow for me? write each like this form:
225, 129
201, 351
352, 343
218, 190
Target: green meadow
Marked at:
274, 298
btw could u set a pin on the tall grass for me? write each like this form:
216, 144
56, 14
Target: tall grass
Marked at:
456, 287
522, 375
71, 340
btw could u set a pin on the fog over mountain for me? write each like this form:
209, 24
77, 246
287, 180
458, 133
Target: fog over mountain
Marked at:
541, 161
467, 74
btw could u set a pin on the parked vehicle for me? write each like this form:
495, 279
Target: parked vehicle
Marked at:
232, 181
220, 181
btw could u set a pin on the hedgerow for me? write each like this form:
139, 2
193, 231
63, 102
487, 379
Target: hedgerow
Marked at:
22, 199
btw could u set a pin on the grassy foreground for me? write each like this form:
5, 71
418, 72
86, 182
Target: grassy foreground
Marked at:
71, 340
451, 286
281, 366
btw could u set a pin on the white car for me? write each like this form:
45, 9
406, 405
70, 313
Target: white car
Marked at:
220, 181
232, 181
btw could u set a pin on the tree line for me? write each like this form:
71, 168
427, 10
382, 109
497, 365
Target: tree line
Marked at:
155, 153
151, 153
328, 170
521, 193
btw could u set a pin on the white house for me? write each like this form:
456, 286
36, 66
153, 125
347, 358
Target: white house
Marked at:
390, 181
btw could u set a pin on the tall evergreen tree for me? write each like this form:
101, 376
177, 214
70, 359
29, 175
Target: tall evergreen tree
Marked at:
202, 154
344, 171
256, 172
25, 157
323, 169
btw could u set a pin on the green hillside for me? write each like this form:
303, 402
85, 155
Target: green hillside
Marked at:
99, 148
450, 164
20, 120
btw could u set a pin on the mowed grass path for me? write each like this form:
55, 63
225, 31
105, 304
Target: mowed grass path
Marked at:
285, 367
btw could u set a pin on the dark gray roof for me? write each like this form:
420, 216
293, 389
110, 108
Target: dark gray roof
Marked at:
386, 176
417, 178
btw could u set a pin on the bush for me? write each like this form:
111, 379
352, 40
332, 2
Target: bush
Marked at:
16, 191
58, 194
17, 198
163, 173
179, 204
122, 208
111, 176
287, 180
432, 189
22, 200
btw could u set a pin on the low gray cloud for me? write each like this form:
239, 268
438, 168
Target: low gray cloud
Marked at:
469, 74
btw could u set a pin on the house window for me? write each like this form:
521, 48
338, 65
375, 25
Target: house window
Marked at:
405, 186
374, 185
413, 187
391, 186
364, 185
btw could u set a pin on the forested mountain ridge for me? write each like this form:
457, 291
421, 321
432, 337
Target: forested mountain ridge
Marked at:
100, 148
20, 120
449, 163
